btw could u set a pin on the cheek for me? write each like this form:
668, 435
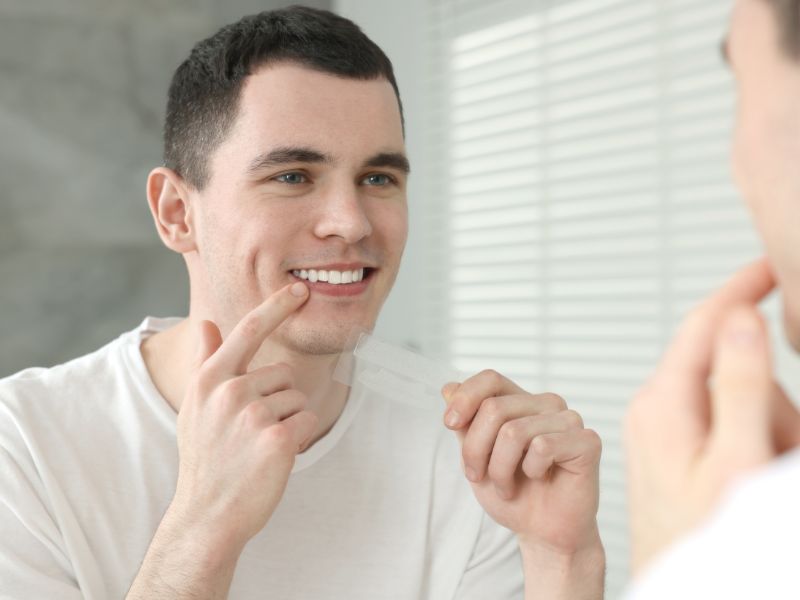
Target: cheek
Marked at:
744, 154
394, 225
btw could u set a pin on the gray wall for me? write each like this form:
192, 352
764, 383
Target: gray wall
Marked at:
82, 93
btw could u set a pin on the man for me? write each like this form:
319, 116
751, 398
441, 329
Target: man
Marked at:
214, 456
713, 412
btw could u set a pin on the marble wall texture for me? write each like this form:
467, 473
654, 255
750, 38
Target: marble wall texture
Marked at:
82, 94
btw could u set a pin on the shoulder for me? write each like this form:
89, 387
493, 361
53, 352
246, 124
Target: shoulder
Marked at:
40, 398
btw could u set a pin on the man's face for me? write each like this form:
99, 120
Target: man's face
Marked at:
310, 183
767, 143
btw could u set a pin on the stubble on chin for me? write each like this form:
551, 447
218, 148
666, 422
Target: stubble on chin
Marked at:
328, 340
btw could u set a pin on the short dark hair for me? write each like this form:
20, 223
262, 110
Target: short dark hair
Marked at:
787, 13
204, 94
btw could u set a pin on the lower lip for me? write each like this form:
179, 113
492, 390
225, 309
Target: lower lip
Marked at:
342, 289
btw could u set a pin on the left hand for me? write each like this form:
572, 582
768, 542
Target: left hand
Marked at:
532, 464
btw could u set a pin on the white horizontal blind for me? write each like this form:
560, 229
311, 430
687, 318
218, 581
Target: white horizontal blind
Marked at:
579, 198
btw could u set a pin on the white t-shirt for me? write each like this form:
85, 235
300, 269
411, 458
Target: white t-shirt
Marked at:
749, 549
376, 509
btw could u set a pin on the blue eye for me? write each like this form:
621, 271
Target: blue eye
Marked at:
378, 179
292, 178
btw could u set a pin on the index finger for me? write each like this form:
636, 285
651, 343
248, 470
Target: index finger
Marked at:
241, 345
691, 349
464, 400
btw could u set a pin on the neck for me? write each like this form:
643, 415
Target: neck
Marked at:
168, 356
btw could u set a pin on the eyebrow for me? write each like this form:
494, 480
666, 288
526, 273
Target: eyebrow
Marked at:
394, 160
724, 51
285, 155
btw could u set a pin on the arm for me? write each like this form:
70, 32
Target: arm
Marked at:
552, 575
186, 561
238, 435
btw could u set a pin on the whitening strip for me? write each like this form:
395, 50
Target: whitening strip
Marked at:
394, 372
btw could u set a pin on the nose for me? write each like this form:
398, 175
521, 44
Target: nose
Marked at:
342, 215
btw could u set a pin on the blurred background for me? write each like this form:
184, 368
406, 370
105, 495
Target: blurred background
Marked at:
571, 193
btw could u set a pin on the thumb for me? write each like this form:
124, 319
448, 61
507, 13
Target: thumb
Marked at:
743, 388
447, 393
448, 390
209, 339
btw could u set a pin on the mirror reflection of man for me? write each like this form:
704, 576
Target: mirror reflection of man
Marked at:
214, 456
713, 412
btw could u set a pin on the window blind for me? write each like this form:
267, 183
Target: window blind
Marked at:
579, 199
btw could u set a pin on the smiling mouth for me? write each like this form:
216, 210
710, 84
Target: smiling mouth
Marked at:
332, 276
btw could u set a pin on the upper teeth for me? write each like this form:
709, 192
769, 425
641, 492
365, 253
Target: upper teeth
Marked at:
334, 277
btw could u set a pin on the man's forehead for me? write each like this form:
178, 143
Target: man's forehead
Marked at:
298, 105
290, 83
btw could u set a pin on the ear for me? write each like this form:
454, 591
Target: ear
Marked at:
168, 197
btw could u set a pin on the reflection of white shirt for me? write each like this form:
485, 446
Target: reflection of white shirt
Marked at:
749, 549
377, 509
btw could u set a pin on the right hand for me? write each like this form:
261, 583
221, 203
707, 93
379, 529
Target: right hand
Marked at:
711, 413
239, 431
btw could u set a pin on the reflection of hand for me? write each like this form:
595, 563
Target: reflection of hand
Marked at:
532, 464
687, 436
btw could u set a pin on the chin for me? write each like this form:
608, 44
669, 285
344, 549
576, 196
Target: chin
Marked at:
319, 341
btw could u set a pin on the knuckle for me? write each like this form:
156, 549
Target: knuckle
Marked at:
233, 389
229, 395
250, 326
492, 408
257, 414
555, 400
491, 375
573, 419
278, 440
542, 445
513, 432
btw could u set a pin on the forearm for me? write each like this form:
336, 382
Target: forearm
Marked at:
553, 576
185, 561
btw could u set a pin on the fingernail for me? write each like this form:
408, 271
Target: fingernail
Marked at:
298, 289
741, 334
742, 330
471, 474
745, 339
452, 418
